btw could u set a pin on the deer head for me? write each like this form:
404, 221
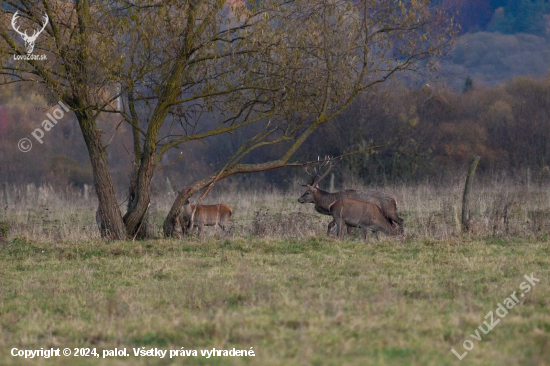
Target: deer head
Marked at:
29, 40
317, 173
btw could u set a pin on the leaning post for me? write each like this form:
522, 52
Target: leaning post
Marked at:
5, 192
466, 195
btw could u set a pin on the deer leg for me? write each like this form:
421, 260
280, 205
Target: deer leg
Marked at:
364, 233
225, 227
398, 222
183, 225
330, 226
375, 234
199, 230
341, 226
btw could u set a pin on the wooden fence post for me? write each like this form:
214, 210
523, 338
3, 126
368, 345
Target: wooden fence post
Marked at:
465, 196
5, 191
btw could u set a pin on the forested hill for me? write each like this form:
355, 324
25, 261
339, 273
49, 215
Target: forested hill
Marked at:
503, 16
499, 39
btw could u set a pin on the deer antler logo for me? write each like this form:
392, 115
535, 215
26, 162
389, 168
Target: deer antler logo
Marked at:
29, 40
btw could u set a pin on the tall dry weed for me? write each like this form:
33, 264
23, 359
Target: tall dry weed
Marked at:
46, 214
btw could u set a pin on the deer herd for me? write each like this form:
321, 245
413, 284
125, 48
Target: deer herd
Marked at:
369, 210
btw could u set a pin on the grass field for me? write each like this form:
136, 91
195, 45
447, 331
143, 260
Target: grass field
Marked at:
277, 284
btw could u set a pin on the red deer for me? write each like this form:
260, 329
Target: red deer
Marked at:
365, 215
205, 215
387, 203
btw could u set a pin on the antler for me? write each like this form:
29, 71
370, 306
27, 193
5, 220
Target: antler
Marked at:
316, 174
35, 32
13, 19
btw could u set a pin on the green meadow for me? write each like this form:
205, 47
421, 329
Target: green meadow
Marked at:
306, 301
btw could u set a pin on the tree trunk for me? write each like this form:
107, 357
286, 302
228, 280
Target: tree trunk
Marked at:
112, 226
172, 219
133, 220
134, 217
142, 230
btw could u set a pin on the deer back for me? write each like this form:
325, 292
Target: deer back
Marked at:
360, 213
385, 201
208, 214
355, 211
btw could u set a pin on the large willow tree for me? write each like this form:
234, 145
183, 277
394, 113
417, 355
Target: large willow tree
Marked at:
279, 69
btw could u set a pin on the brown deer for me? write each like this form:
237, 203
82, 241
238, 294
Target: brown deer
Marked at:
205, 215
386, 202
365, 215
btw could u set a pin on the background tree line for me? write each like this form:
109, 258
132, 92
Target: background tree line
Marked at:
432, 134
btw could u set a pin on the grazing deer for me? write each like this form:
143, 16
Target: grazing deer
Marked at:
387, 203
205, 215
365, 215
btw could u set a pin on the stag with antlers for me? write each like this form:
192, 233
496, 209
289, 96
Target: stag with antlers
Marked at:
385, 202
29, 40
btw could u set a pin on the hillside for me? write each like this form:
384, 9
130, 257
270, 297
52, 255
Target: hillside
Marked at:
499, 39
